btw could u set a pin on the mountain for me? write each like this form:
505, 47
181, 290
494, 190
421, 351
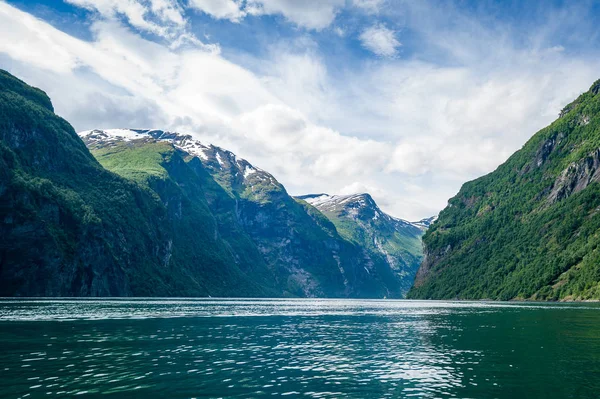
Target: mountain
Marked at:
359, 220
264, 227
154, 213
425, 223
531, 228
69, 227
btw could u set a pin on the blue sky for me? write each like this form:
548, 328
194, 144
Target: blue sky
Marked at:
406, 100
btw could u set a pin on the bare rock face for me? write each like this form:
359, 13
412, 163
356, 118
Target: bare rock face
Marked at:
423, 273
430, 260
595, 89
576, 177
547, 148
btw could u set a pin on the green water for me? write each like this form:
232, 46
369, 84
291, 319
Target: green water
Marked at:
298, 348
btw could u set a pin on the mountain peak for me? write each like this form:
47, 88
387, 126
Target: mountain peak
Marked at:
234, 170
358, 206
183, 141
337, 202
426, 222
10, 83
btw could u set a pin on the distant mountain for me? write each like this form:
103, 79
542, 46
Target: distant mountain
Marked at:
359, 220
292, 247
425, 223
530, 229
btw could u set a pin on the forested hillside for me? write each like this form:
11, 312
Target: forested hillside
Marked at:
530, 229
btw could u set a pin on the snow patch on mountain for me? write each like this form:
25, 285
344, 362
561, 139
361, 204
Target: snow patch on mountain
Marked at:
331, 203
219, 160
425, 223
194, 147
207, 153
110, 135
248, 170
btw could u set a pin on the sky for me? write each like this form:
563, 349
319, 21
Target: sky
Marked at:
405, 100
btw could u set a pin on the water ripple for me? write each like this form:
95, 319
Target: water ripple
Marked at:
308, 348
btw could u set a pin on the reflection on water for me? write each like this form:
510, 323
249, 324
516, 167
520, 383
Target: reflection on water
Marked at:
307, 348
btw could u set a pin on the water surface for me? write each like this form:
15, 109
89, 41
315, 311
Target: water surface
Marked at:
298, 348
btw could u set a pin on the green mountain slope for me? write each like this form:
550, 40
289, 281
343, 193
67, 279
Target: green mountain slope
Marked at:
394, 243
531, 228
284, 241
69, 227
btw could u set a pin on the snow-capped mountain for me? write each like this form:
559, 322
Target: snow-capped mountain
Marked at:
355, 204
359, 219
425, 223
232, 170
279, 241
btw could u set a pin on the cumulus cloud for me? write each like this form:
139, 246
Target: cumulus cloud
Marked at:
360, 187
161, 17
380, 40
310, 14
220, 9
370, 6
409, 132
280, 132
454, 157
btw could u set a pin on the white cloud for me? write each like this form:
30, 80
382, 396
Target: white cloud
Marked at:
220, 9
454, 157
370, 6
164, 18
380, 40
339, 31
409, 132
276, 132
48, 45
357, 187
310, 14
161, 17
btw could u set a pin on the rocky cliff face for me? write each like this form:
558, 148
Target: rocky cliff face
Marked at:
396, 243
530, 228
576, 177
